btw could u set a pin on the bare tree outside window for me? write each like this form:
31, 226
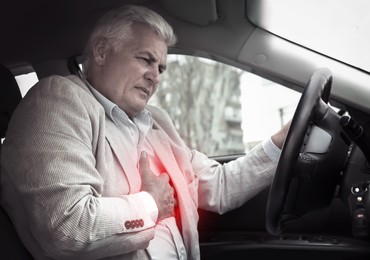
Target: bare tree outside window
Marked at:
219, 109
202, 98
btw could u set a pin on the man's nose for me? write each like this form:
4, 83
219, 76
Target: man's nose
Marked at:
153, 76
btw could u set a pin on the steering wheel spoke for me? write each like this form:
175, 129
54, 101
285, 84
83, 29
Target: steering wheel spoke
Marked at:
312, 157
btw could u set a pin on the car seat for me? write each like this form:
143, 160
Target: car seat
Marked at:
11, 246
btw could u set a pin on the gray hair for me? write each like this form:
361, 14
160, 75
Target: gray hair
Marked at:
116, 27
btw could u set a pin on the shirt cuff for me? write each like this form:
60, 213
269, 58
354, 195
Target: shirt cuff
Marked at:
272, 151
149, 205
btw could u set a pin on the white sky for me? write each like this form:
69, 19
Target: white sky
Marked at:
260, 105
337, 28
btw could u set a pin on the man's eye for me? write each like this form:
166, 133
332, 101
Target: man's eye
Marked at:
146, 60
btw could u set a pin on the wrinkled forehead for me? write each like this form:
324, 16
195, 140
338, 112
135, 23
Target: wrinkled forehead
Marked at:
144, 38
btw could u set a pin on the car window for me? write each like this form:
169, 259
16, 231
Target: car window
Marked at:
26, 81
219, 109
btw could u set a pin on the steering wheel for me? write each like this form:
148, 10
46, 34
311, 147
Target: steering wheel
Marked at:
311, 108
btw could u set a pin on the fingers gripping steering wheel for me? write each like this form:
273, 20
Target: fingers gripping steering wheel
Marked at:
311, 107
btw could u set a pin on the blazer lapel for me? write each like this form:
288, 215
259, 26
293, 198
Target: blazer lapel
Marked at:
124, 156
160, 143
188, 211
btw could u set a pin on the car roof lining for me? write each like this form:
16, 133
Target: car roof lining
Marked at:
198, 12
234, 37
45, 26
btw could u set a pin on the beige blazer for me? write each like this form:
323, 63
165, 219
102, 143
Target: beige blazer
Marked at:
69, 188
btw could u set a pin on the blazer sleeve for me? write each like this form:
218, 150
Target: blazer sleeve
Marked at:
222, 188
50, 160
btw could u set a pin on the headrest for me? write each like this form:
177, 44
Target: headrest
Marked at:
10, 96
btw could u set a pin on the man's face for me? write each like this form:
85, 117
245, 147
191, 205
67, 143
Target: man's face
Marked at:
131, 76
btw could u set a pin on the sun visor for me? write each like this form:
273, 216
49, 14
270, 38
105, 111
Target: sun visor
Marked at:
200, 12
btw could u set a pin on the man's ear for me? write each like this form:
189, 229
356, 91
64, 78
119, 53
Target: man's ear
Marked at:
100, 50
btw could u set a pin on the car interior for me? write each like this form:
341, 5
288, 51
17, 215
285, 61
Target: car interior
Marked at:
318, 205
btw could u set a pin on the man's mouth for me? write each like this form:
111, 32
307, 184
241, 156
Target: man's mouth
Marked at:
146, 91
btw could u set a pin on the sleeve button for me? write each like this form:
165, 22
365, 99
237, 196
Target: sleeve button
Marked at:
128, 224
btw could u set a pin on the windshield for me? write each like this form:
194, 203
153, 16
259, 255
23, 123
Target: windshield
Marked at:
336, 28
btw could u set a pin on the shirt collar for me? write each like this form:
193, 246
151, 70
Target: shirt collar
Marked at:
143, 118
